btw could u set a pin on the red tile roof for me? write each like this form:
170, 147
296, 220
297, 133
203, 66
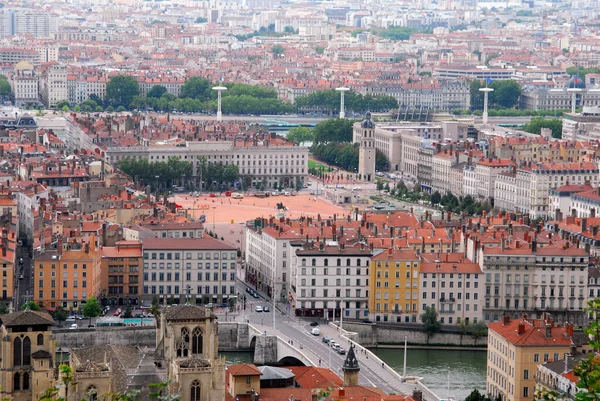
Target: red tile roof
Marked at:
534, 333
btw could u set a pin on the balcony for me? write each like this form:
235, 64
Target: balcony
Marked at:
446, 312
447, 300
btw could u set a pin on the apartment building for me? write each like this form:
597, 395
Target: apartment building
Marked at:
521, 277
394, 286
480, 177
515, 350
8, 261
81, 86
452, 285
333, 280
505, 191
177, 269
53, 84
558, 376
24, 82
580, 202
121, 280
260, 163
192, 229
172, 84
15, 55
21, 22
67, 275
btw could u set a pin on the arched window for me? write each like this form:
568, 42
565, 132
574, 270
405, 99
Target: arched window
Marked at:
326, 262
303, 262
26, 351
16, 382
339, 262
40, 339
17, 352
91, 393
197, 341
195, 391
184, 343
347, 262
314, 262
26, 381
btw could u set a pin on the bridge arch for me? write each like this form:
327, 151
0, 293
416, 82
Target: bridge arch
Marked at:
290, 361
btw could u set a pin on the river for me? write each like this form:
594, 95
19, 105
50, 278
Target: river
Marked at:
467, 368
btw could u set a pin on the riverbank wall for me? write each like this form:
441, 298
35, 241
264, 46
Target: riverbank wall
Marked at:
377, 335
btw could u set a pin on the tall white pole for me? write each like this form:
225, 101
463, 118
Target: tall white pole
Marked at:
342, 90
219, 89
273, 296
404, 370
574, 92
485, 91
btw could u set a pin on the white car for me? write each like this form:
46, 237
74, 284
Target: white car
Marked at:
286, 193
73, 326
315, 331
258, 308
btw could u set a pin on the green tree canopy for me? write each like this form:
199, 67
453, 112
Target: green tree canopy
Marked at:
156, 91
505, 95
278, 50
60, 314
320, 49
196, 88
121, 89
300, 135
31, 305
333, 130
582, 71
537, 123
168, 172
91, 308
430, 322
330, 99
5, 89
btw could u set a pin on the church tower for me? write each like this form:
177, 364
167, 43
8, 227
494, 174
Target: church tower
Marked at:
351, 369
366, 153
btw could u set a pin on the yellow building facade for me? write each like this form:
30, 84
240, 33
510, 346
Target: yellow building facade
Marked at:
394, 286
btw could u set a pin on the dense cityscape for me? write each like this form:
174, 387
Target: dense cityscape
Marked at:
276, 200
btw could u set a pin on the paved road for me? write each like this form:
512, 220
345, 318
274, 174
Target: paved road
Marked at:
373, 371
24, 286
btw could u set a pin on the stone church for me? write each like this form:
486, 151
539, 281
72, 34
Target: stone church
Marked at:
186, 356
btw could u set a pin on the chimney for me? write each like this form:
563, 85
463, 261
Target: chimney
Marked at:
521, 328
534, 246
505, 320
87, 247
583, 224
548, 331
59, 246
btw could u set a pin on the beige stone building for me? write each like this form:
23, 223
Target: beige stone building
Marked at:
516, 348
27, 349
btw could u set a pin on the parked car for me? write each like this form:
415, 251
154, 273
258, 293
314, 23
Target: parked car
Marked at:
315, 331
73, 326
326, 340
313, 324
258, 308
212, 195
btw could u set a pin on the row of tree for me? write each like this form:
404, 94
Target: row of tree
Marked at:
465, 204
164, 174
345, 155
329, 100
536, 124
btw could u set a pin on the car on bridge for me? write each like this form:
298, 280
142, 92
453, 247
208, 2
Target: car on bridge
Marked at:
258, 308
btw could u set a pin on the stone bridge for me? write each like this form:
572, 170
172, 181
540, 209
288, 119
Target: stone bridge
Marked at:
271, 349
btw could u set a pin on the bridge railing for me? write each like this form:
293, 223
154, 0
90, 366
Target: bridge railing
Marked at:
348, 335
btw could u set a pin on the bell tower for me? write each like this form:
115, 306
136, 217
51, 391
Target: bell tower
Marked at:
366, 153
351, 369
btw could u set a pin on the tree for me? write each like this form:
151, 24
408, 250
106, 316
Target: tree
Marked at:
536, 124
278, 50
156, 91
121, 89
196, 88
320, 49
430, 322
3, 309
379, 185
436, 198
463, 327
155, 310
201, 20
91, 308
477, 396
333, 130
5, 89
121, 109
479, 330
506, 93
60, 315
300, 135
582, 71
128, 313
31, 305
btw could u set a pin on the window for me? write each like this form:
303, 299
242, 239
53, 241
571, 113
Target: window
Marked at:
40, 339
197, 341
526, 374
26, 381
92, 393
195, 391
525, 392
17, 380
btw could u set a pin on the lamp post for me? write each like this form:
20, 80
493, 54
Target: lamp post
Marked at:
342, 90
219, 89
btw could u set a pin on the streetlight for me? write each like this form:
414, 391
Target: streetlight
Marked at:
219, 89
342, 90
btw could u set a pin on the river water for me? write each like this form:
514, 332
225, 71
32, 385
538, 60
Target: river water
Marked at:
467, 368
